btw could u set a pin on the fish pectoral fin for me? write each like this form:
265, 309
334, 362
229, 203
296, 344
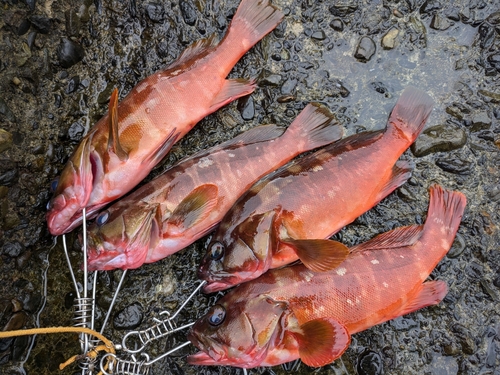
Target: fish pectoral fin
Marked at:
430, 293
231, 90
396, 238
321, 341
319, 255
113, 139
162, 150
195, 207
401, 172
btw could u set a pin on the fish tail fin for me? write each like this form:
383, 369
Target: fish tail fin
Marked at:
446, 209
314, 127
253, 20
411, 112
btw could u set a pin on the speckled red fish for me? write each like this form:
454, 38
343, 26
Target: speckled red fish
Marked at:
135, 135
188, 200
289, 214
293, 312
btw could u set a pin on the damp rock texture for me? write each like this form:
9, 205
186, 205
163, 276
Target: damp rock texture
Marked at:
60, 61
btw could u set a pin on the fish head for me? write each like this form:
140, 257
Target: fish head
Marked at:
239, 333
122, 236
242, 255
72, 190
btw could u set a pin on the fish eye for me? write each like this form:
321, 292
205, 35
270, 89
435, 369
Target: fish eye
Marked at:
53, 184
216, 250
102, 218
217, 315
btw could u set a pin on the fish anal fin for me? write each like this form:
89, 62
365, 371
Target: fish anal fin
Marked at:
396, 238
430, 293
231, 90
321, 341
195, 207
113, 139
319, 255
401, 172
162, 150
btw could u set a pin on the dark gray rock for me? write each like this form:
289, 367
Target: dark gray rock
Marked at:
188, 12
369, 363
73, 84
156, 11
75, 131
246, 107
439, 138
337, 24
365, 50
129, 318
6, 111
343, 8
72, 22
270, 80
440, 23
69, 53
12, 249
289, 86
454, 165
480, 120
318, 35
430, 6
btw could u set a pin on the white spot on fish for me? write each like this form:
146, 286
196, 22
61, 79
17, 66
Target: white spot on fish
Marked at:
205, 162
401, 256
317, 168
445, 244
142, 86
358, 300
349, 302
341, 271
375, 261
385, 284
231, 155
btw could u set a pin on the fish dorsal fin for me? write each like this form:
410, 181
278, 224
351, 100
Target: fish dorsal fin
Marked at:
321, 341
195, 207
159, 153
113, 139
430, 293
319, 255
356, 141
195, 49
231, 90
401, 172
396, 238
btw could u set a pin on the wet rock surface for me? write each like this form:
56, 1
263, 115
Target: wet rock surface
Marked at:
60, 61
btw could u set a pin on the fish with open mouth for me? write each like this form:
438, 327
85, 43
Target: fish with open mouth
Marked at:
291, 213
294, 312
128, 141
188, 200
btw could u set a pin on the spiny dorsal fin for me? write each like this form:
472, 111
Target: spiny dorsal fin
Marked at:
396, 238
319, 255
321, 341
195, 207
195, 49
113, 139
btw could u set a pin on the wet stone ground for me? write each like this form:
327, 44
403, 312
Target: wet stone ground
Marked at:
60, 60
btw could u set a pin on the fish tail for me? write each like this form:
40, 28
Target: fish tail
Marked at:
252, 21
446, 209
411, 112
314, 127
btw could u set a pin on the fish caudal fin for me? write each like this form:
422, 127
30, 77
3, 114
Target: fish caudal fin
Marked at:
430, 293
445, 212
252, 21
314, 127
319, 255
321, 341
411, 112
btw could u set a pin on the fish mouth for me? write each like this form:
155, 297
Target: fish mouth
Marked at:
216, 286
202, 359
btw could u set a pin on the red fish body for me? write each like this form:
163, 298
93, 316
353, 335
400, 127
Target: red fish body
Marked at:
293, 312
288, 214
135, 135
187, 201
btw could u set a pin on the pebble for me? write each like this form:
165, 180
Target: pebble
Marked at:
464, 338
288, 86
188, 12
75, 131
246, 107
369, 363
454, 165
337, 24
271, 80
5, 110
389, 39
480, 120
440, 23
342, 9
72, 22
457, 247
365, 50
430, 6
69, 53
156, 11
494, 60
9, 177
73, 84
16, 321
5, 140
439, 138
318, 35
12, 249
129, 318
41, 24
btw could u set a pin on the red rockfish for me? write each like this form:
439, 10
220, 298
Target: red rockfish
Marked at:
125, 144
188, 200
293, 312
288, 214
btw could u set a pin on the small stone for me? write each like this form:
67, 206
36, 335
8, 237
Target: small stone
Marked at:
12, 249
41, 24
188, 12
69, 53
457, 248
73, 84
288, 86
156, 11
439, 138
369, 363
16, 321
246, 107
365, 50
9, 177
389, 39
337, 24
5, 140
430, 6
23, 55
16, 81
72, 22
465, 339
319, 35
270, 80
343, 8
440, 23
6, 111
75, 131
454, 165
129, 318
480, 121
